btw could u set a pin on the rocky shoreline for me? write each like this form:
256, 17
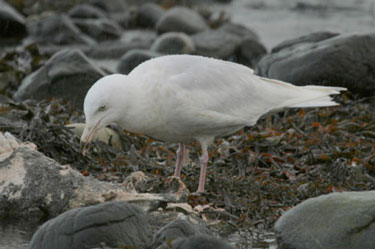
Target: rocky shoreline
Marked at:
261, 180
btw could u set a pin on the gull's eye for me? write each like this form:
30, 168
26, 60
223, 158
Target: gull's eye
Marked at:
102, 108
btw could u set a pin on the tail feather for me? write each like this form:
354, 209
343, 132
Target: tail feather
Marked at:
317, 96
304, 96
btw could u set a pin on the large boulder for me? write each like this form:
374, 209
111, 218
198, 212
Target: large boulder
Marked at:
173, 43
12, 23
181, 19
35, 186
334, 221
57, 29
342, 60
116, 224
68, 74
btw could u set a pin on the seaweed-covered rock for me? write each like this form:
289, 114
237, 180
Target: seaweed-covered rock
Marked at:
116, 224
178, 229
173, 43
12, 23
86, 11
181, 19
57, 29
149, 14
344, 60
133, 58
68, 74
335, 221
102, 29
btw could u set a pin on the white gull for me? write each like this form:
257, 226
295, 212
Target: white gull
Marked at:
185, 98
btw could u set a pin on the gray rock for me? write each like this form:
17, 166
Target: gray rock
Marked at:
12, 23
117, 224
113, 6
216, 43
181, 19
250, 52
34, 186
178, 229
173, 43
344, 60
335, 221
309, 38
67, 74
100, 29
198, 242
133, 58
57, 29
86, 11
149, 14
132, 39
238, 30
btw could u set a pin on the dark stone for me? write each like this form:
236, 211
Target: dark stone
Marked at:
178, 229
250, 52
135, 39
173, 43
57, 29
198, 242
12, 23
133, 58
149, 14
238, 30
68, 74
181, 19
344, 60
335, 221
111, 6
216, 43
86, 11
310, 38
117, 224
100, 29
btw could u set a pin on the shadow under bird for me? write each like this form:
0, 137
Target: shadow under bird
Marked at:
186, 98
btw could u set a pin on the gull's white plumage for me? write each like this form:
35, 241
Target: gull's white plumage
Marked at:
181, 98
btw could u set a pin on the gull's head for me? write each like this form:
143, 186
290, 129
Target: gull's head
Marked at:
101, 107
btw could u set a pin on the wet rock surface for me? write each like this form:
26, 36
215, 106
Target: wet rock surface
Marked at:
115, 224
338, 220
346, 60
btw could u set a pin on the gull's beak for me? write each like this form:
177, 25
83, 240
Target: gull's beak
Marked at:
87, 136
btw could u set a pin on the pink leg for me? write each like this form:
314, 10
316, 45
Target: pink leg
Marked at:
180, 159
203, 161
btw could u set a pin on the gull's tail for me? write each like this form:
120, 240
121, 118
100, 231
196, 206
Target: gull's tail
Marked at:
307, 96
